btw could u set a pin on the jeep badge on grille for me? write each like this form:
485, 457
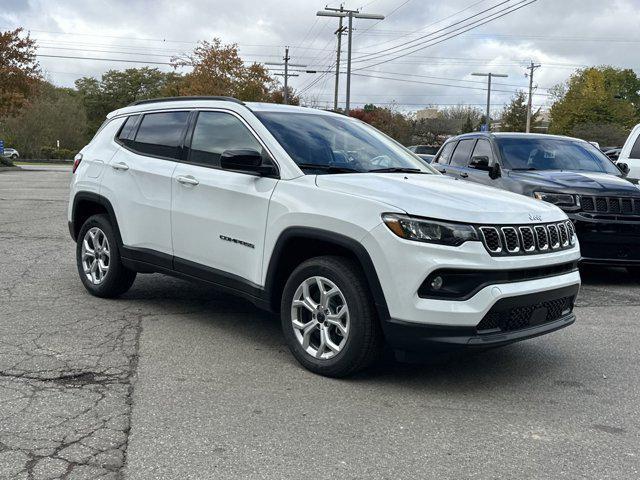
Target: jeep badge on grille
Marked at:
535, 218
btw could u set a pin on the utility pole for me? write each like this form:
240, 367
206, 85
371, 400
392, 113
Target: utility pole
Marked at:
286, 73
339, 32
350, 14
489, 77
531, 69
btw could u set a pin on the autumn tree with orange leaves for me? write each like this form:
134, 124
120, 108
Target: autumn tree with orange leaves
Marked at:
219, 70
20, 74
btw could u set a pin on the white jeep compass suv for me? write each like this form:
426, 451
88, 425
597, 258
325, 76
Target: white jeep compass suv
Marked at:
322, 218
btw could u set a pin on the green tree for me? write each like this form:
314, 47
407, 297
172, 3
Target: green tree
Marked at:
118, 88
20, 74
597, 96
514, 115
56, 114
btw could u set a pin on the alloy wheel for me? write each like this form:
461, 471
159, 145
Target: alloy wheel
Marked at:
320, 317
95, 255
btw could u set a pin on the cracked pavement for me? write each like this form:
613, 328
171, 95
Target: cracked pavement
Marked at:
176, 380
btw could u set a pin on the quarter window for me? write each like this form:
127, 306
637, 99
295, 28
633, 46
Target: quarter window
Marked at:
216, 132
160, 134
127, 131
635, 151
445, 153
463, 152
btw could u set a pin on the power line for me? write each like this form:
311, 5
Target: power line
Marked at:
407, 44
422, 47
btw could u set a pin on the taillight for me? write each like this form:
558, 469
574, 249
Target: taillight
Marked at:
76, 162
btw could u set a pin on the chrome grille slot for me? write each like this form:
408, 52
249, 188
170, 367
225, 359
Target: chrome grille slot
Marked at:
528, 239
491, 239
511, 240
542, 239
554, 237
564, 235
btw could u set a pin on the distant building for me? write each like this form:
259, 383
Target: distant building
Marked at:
427, 114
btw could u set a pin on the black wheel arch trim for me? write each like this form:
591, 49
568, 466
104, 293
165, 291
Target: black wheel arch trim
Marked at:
348, 243
97, 199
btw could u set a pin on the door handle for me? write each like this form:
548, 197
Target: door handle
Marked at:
120, 166
187, 180
464, 174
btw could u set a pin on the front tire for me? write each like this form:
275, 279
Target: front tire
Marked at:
634, 272
328, 318
98, 259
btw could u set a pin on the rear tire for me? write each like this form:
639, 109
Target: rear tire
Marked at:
98, 259
328, 317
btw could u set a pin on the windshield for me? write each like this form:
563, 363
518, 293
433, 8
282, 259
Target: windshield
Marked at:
553, 154
332, 144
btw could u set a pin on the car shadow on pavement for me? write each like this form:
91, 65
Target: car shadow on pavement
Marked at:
226, 315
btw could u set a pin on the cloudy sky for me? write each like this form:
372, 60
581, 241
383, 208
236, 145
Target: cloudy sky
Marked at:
422, 54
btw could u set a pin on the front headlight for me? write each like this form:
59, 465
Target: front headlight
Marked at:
430, 231
558, 199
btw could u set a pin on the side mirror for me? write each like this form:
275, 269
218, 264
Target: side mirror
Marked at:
623, 167
495, 171
246, 160
480, 163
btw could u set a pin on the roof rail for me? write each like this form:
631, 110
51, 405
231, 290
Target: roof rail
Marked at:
173, 99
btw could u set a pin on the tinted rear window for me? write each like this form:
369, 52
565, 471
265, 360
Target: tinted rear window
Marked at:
160, 134
635, 151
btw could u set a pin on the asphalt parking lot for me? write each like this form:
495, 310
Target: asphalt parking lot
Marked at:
178, 381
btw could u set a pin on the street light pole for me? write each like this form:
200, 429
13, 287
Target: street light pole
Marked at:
489, 76
351, 14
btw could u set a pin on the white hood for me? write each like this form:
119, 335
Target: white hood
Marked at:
440, 197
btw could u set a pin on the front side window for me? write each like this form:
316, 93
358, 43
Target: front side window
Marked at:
462, 153
216, 132
547, 153
321, 143
160, 134
483, 149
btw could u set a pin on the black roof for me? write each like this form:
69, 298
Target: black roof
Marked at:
173, 99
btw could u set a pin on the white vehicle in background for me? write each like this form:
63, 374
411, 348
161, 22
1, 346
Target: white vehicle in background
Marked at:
630, 154
11, 153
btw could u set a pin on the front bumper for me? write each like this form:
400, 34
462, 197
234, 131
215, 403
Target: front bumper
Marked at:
412, 337
610, 240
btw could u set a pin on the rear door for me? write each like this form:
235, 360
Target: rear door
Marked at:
138, 182
460, 159
219, 216
444, 157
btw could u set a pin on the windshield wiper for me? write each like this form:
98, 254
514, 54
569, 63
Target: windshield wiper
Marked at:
328, 168
524, 169
396, 170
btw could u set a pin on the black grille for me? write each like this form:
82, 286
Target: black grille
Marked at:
512, 242
491, 239
527, 239
613, 205
525, 316
587, 204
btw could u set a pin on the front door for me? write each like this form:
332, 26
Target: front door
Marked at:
219, 216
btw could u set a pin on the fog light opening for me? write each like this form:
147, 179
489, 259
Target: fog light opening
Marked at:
436, 283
